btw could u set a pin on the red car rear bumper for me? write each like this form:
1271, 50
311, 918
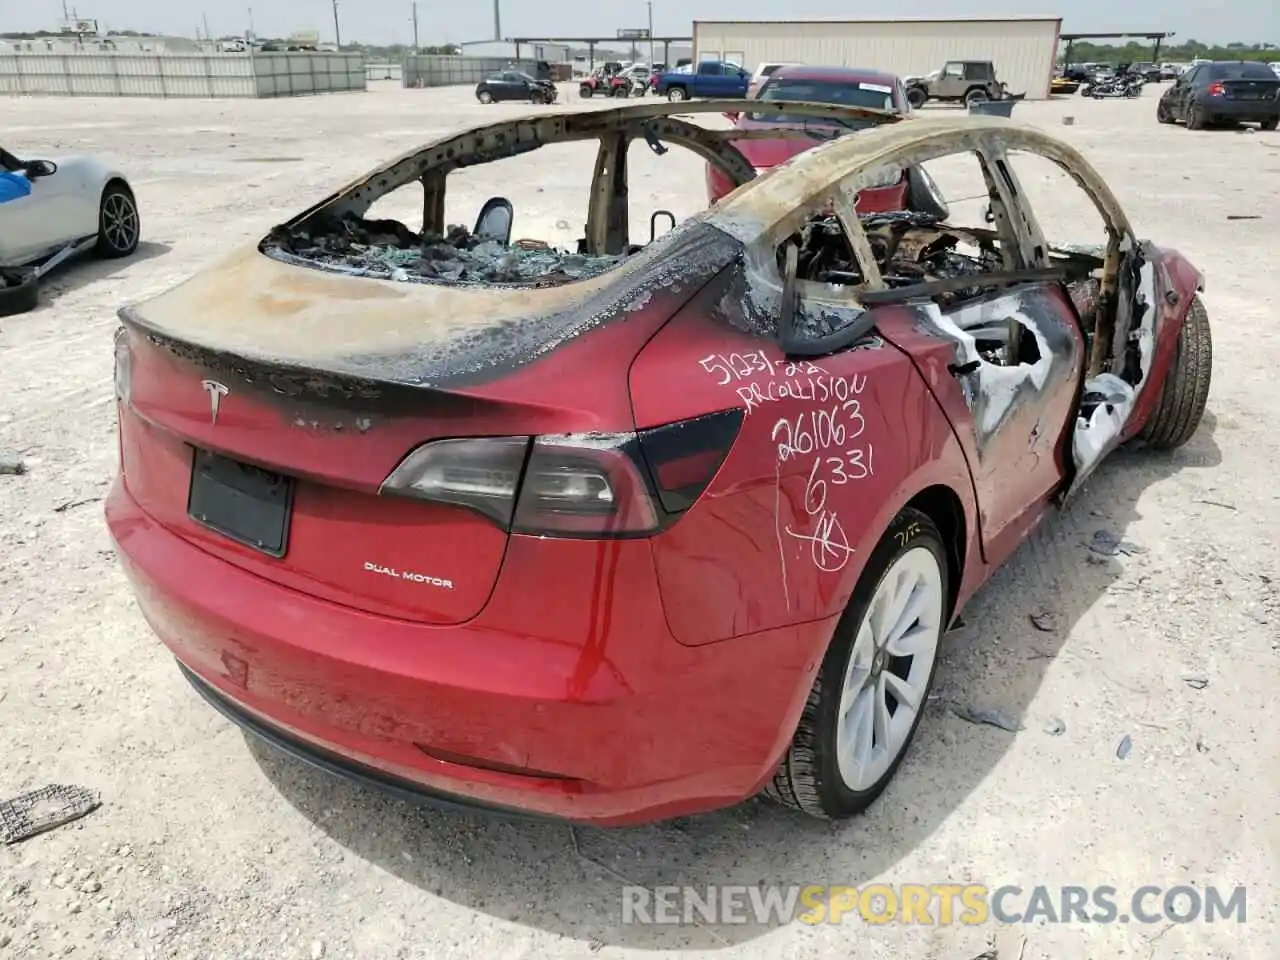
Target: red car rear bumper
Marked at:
571, 701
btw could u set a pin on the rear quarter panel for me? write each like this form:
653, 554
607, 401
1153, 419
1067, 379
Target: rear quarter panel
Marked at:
829, 452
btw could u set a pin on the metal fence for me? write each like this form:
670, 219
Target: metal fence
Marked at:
384, 71
436, 70
300, 74
180, 75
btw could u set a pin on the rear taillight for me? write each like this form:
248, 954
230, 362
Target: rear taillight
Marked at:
684, 456
573, 485
1217, 90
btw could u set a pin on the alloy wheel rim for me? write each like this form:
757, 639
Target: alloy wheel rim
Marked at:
120, 222
893, 655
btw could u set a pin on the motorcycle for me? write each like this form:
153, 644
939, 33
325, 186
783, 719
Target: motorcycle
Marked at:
1126, 85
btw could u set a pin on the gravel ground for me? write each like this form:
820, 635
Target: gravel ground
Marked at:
210, 846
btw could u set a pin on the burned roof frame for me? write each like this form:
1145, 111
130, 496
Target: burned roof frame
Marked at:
614, 128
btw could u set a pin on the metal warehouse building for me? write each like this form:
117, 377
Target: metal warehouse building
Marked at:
1022, 48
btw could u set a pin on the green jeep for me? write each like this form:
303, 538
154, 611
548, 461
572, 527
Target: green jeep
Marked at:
966, 81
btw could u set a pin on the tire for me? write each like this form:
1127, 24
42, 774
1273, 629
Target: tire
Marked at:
1269, 124
1196, 119
119, 223
19, 292
810, 777
976, 95
1186, 386
484, 96
1162, 113
917, 97
676, 94
585, 92
622, 91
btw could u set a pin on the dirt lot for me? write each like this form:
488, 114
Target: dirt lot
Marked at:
210, 846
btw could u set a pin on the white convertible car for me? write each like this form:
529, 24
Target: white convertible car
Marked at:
52, 210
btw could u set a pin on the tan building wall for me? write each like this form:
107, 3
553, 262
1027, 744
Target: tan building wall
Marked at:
1023, 50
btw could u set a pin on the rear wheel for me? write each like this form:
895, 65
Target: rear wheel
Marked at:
585, 91
1186, 386
1196, 118
119, 225
676, 94
1270, 124
976, 95
874, 682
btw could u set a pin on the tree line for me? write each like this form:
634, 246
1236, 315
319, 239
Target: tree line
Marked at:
1135, 50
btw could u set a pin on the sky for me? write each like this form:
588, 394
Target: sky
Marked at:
450, 21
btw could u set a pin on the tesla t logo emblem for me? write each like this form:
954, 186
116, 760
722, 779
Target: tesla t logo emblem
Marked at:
216, 392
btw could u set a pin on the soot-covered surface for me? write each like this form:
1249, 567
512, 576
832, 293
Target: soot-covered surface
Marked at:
388, 250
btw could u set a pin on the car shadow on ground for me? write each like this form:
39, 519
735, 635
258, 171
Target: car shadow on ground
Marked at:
569, 881
87, 269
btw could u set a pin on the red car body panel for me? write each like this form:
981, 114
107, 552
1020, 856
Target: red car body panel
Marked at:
895, 445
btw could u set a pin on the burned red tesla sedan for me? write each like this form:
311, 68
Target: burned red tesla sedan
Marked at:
638, 529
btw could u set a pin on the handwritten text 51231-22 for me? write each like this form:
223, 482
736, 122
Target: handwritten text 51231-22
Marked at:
744, 366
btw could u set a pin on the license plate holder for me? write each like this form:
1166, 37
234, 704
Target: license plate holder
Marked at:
242, 502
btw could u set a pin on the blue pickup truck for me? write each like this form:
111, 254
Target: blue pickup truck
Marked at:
714, 79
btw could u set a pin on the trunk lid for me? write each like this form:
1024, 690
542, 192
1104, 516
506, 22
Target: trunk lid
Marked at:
763, 154
1260, 89
284, 396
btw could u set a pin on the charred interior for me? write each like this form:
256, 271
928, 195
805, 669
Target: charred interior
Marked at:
389, 250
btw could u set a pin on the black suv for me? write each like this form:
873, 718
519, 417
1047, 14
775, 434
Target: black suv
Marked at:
514, 85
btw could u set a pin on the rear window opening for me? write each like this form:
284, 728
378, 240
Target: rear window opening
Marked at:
514, 221
1241, 71
536, 241
389, 250
871, 96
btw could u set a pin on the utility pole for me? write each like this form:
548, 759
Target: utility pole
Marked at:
205, 20
497, 19
251, 30
415, 26
337, 30
649, 4
65, 15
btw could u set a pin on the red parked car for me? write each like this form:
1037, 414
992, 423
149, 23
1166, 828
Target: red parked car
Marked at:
638, 529
846, 86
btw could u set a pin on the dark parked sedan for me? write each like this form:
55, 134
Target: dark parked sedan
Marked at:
513, 85
1234, 91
